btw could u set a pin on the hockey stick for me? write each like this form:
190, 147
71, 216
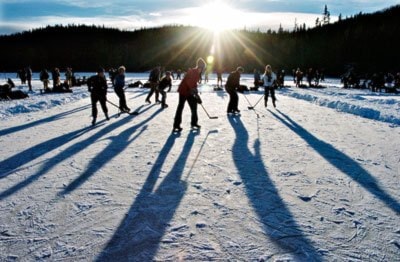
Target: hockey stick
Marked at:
134, 113
210, 117
252, 107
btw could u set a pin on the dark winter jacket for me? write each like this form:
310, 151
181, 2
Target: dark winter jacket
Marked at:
97, 85
44, 75
164, 83
119, 81
29, 73
55, 75
154, 76
233, 81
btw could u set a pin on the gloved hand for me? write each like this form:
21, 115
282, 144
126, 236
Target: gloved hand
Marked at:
198, 99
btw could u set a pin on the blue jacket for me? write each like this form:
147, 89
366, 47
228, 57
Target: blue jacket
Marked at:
119, 81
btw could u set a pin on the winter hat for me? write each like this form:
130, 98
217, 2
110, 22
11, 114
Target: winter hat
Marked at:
240, 69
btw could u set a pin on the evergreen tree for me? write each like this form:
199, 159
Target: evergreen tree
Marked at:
280, 30
317, 22
326, 16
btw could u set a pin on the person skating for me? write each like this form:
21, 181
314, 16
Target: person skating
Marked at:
231, 87
269, 79
119, 83
154, 79
165, 82
97, 86
188, 92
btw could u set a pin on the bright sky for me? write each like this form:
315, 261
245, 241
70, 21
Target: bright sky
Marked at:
19, 15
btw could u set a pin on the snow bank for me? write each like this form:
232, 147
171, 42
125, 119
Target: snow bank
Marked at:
380, 108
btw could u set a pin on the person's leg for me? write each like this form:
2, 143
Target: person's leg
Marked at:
179, 110
273, 96
266, 94
163, 98
152, 89
235, 101
118, 93
157, 92
193, 108
94, 99
230, 103
103, 104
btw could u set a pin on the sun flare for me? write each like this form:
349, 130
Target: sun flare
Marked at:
218, 16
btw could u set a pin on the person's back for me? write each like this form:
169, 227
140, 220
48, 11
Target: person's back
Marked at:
189, 82
44, 75
233, 81
165, 82
155, 75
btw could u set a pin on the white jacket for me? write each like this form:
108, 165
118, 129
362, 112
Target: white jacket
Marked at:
269, 83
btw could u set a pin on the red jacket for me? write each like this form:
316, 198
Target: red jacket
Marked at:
188, 86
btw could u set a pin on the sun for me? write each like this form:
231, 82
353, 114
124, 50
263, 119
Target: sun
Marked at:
210, 59
218, 16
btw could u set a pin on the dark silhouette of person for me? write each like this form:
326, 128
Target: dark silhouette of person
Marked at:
97, 86
165, 82
154, 79
231, 87
188, 92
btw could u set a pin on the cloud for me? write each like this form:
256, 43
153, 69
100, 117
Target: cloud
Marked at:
130, 15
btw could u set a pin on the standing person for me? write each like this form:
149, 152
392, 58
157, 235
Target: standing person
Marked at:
299, 77
68, 77
55, 74
28, 71
44, 77
178, 74
97, 86
231, 86
269, 78
154, 79
219, 78
165, 82
22, 75
188, 92
119, 83
206, 74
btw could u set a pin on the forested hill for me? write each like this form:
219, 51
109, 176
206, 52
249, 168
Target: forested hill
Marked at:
369, 42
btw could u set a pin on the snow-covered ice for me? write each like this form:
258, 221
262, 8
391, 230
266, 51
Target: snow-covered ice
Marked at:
316, 179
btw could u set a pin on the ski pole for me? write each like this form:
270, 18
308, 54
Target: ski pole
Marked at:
210, 117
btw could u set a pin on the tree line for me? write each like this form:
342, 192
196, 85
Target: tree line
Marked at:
367, 42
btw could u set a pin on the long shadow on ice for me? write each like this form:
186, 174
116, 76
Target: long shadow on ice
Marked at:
14, 163
278, 223
26, 156
341, 161
139, 235
41, 121
118, 144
